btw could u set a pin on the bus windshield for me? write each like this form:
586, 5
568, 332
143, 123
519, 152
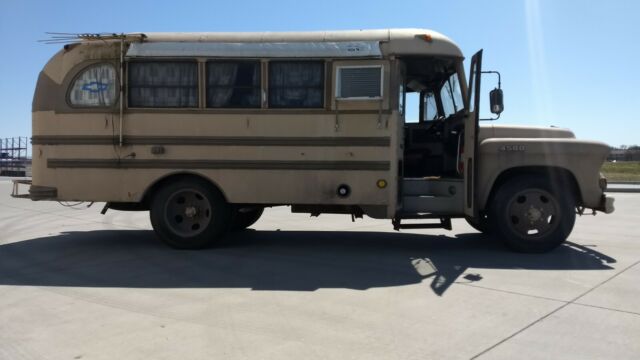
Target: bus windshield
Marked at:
451, 96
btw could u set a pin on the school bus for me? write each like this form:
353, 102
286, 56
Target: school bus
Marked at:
205, 130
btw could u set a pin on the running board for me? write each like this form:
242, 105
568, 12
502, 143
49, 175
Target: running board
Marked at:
445, 223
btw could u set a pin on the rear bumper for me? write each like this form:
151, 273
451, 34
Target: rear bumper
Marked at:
36, 192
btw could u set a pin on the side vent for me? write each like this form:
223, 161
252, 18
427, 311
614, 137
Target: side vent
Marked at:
359, 82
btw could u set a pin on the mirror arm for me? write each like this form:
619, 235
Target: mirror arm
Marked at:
499, 87
499, 77
491, 119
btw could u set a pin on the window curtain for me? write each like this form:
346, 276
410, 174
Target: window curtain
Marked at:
296, 84
233, 84
163, 84
96, 86
220, 80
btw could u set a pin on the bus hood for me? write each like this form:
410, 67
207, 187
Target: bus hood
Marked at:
519, 131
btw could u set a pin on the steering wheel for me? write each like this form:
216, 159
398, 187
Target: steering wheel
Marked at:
436, 123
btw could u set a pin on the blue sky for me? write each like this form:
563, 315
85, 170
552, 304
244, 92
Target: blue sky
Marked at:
567, 63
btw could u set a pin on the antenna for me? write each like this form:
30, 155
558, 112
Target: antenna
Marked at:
67, 38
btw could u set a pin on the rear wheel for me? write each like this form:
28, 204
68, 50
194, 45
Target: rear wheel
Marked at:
243, 218
189, 214
530, 215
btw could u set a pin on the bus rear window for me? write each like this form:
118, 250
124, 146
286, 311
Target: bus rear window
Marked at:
94, 87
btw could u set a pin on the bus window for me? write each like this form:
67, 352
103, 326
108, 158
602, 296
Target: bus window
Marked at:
95, 86
430, 107
163, 84
451, 96
412, 114
233, 84
296, 84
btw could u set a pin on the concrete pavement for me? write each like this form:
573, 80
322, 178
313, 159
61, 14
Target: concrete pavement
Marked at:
78, 285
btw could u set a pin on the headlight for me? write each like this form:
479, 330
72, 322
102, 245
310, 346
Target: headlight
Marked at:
603, 182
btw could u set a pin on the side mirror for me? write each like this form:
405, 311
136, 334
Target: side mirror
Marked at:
496, 98
497, 101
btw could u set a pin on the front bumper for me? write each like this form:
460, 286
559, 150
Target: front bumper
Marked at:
606, 204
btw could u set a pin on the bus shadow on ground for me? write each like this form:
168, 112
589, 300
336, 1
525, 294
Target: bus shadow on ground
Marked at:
274, 260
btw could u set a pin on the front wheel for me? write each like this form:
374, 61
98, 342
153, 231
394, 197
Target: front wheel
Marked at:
480, 223
532, 216
189, 214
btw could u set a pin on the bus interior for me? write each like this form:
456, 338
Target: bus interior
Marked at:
433, 109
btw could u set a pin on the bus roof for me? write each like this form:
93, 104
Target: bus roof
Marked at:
397, 42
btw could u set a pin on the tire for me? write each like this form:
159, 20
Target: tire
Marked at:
481, 224
529, 215
189, 214
243, 219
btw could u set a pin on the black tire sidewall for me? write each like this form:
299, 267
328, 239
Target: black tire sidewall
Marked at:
242, 220
220, 218
481, 224
500, 223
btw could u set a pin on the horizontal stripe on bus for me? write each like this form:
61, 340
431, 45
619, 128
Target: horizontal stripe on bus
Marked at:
204, 140
218, 164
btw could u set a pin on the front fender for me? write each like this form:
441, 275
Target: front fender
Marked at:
583, 159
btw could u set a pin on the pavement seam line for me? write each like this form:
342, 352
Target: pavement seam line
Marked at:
552, 312
513, 293
607, 308
550, 299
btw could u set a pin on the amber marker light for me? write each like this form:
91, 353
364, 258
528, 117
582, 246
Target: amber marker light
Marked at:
381, 183
427, 37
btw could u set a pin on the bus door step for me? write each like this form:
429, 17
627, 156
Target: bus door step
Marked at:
444, 223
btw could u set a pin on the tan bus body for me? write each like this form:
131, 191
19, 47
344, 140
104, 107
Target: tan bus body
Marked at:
343, 154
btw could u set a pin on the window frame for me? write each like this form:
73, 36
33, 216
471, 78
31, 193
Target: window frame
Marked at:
358, 98
80, 72
199, 91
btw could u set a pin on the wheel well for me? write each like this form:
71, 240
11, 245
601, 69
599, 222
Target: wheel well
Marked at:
558, 177
148, 194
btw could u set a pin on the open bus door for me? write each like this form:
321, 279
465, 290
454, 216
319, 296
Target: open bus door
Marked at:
471, 126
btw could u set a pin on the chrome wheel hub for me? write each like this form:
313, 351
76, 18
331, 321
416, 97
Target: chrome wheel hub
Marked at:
533, 213
188, 212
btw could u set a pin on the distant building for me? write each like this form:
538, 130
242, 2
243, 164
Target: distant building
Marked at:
624, 155
14, 159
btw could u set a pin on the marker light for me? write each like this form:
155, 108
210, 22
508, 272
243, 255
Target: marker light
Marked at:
343, 190
381, 183
427, 38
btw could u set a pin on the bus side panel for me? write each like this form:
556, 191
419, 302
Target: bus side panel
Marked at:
247, 156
